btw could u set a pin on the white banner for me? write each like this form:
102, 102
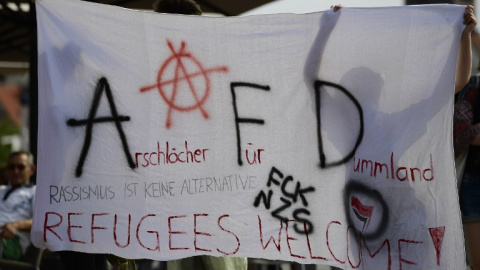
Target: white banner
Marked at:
319, 138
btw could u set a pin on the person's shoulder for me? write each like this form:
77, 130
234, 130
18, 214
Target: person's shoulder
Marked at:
473, 85
29, 188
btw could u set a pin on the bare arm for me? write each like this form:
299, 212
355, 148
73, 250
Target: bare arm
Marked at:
476, 141
9, 230
464, 58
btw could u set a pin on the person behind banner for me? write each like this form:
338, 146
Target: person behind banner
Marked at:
16, 205
467, 145
467, 160
467, 139
189, 7
467, 135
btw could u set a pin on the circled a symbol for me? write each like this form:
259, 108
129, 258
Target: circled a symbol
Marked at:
185, 68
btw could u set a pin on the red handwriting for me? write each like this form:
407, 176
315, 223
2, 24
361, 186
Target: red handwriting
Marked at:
257, 155
288, 242
231, 233
328, 242
95, 227
437, 235
115, 232
171, 233
81, 228
48, 227
400, 258
70, 227
271, 238
358, 248
157, 238
356, 243
310, 246
167, 155
390, 171
195, 232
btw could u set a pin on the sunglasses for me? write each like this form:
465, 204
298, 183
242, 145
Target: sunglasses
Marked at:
20, 167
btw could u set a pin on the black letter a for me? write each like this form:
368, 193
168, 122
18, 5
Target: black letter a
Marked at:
101, 86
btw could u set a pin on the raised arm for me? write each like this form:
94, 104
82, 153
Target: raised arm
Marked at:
464, 58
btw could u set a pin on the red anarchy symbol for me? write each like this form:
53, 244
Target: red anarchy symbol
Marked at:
179, 59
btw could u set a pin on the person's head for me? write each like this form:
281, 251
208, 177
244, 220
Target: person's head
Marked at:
186, 7
20, 168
